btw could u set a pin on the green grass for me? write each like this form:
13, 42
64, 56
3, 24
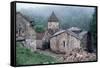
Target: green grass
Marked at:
24, 56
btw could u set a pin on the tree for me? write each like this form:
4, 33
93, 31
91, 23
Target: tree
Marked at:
39, 28
93, 30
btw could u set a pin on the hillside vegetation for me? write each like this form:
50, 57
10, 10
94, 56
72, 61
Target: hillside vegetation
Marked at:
24, 56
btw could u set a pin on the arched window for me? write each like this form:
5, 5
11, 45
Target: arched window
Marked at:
64, 43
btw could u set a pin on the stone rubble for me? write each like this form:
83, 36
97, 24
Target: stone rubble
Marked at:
77, 55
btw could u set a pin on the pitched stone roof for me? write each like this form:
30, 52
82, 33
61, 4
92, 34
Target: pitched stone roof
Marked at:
78, 36
53, 18
18, 13
59, 32
66, 31
74, 29
73, 34
24, 17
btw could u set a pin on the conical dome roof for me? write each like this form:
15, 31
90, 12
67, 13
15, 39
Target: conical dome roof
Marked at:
53, 18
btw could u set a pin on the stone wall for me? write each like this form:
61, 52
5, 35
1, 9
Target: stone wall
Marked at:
64, 42
53, 25
39, 44
73, 42
25, 32
31, 38
53, 44
59, 43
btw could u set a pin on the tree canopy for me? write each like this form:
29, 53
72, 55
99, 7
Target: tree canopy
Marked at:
39, 28
93, 30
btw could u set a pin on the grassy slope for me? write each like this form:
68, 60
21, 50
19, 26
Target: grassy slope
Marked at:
24, 57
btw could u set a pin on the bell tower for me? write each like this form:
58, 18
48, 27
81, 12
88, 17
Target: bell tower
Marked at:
53, 23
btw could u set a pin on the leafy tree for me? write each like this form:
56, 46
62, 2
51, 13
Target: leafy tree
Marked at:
39, 28
93, 30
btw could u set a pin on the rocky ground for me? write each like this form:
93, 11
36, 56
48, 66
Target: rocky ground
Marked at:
76, 55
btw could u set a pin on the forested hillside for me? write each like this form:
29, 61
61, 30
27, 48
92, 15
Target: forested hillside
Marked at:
93, 30
69, 16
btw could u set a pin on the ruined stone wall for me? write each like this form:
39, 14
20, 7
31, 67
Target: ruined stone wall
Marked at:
25, 32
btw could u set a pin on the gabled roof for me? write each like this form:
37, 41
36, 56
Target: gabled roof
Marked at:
66, 31
59, 32
53, 18
26, 18
78, 36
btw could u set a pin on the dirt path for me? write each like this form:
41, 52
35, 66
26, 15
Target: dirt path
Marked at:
58, 57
